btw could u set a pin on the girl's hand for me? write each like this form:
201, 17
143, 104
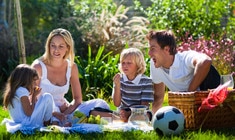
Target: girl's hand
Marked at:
36, 91
33, 96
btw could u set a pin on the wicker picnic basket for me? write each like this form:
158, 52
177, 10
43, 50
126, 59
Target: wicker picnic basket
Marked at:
222, 116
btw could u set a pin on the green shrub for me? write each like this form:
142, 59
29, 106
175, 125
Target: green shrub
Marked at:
111, 28
96, 73
199, 18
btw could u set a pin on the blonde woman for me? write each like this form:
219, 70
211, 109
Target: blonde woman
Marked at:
58, 73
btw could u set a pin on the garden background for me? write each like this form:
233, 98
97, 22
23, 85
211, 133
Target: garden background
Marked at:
102, 28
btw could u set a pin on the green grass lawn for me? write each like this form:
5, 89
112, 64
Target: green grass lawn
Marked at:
224, 134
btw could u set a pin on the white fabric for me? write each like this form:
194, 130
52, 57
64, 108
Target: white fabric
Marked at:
42, 112
58, 92
17, 112
86, 106
135, 81
180, 73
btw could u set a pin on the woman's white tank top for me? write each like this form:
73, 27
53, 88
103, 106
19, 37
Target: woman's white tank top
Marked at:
57, 92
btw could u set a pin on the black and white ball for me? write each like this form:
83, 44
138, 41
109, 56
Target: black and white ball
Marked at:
168, 120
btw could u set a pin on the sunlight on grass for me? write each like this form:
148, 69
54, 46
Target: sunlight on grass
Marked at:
4, 113
165, 103
112, 106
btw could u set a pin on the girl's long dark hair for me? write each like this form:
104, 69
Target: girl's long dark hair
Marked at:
22, 76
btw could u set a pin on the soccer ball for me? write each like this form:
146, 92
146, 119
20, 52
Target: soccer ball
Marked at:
168, 120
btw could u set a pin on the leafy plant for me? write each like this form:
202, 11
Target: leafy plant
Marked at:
230, 28
96, 72
48, 16
200, 18
113, 30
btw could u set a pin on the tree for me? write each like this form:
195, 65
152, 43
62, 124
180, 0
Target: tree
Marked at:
3, 22
20, 33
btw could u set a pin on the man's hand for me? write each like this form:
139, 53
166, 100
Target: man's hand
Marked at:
124, 115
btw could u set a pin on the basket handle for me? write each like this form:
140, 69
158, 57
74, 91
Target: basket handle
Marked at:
231, 105
203, 121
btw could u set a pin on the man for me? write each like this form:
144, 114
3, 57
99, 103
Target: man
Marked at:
186, 71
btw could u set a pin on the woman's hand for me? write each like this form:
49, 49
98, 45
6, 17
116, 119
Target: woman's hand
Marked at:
61, 116
64, 107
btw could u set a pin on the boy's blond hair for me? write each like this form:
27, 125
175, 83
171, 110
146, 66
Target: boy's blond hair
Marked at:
137, 57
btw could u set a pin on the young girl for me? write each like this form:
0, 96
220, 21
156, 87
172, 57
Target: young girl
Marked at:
27, 107
131, 86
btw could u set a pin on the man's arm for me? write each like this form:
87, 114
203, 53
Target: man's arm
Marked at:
159, 93
202, 67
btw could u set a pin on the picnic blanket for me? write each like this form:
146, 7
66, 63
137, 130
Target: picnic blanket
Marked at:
83, 128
